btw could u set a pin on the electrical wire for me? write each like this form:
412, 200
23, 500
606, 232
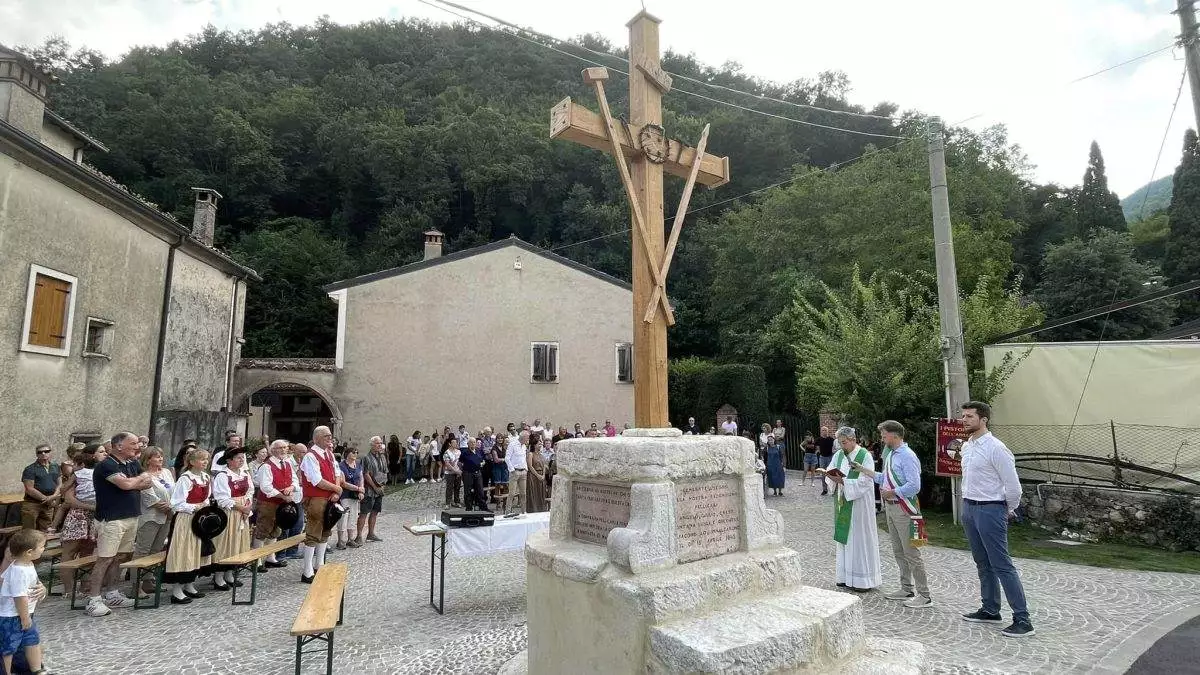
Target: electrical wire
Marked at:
547, 36
673, 89
1123, 63
794, 179
1108, 315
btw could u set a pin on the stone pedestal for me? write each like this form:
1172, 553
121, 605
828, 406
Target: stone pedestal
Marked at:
661, 557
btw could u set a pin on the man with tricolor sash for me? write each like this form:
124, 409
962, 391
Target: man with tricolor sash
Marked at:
849, 477
899, 485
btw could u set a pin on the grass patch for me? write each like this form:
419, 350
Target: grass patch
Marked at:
1029, 541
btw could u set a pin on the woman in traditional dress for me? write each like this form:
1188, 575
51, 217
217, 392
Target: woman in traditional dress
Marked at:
233, 490
855, 531
535, 486
775, 475
184, 562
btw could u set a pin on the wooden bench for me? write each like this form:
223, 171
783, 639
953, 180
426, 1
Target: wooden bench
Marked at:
141, 567
321, 613
82, 568
252, 559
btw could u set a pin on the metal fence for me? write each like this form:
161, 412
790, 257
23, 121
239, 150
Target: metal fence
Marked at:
1122, 455
797, 426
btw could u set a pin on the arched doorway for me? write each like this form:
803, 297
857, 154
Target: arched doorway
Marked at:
290, 411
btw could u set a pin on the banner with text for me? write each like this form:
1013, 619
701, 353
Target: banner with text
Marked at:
950, 437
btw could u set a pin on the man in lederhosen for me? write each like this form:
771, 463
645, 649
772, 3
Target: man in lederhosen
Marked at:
320, 479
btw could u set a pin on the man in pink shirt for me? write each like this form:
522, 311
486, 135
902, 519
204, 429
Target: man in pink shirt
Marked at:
609, 429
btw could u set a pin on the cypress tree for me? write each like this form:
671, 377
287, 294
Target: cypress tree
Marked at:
1096, 206
1182, 260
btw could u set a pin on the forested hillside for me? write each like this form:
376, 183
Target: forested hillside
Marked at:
336, 146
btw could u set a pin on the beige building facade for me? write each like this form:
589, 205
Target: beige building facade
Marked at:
503, 332
116, 316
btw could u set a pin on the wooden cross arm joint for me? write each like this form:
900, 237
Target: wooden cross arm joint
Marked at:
573, 122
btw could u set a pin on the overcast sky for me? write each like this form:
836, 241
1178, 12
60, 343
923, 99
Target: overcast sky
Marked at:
1009, 60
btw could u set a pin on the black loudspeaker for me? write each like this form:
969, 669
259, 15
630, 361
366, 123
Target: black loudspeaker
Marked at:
465, 518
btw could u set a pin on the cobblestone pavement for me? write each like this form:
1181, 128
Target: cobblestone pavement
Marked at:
1087, 618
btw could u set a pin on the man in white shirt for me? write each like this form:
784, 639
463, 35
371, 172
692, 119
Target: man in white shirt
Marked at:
537, 427
729, 427
277, 483
991, 495
232, 441
321, 481
518, 467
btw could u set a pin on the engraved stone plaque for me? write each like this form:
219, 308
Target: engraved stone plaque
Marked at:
596, 509
707, 519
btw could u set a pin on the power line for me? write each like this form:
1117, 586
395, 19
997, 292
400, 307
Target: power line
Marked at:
1123, 63
1116, 290
794, 179
673, 89
547, 36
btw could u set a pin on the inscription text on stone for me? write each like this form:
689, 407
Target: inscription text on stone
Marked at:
598, 508
707, 519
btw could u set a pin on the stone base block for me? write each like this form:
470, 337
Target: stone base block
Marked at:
887, 657
746, 639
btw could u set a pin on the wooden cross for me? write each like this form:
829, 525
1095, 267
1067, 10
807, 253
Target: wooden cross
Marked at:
642, 153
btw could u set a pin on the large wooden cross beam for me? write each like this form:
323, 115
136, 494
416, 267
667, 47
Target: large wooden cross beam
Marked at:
642, 153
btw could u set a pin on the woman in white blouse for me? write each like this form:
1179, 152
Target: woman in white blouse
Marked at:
233, 490
192, 491
156, 505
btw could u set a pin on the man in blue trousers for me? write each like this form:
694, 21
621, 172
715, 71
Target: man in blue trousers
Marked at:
991, 495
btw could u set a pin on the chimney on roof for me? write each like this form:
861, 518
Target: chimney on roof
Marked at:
204, 222
23, 89
433, 244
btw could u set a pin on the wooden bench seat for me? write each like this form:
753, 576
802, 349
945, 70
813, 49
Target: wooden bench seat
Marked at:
321, 612
142, 568
81, 568
252, 559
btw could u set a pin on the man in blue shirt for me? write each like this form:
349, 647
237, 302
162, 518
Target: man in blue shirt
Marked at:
899, 484
471, 461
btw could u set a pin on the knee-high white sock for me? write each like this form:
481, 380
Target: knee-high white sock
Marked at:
319, 558
190, 587
177, 591
307, 551
229, 576
268, 542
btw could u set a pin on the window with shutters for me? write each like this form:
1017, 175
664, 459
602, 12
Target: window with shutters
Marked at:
624, 362
544, 361
49, 312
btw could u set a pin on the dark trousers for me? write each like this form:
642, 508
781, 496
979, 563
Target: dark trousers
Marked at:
453, 485
295, 530
473, 487
986, 526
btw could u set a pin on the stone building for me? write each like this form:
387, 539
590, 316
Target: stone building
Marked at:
117, 317
502, 332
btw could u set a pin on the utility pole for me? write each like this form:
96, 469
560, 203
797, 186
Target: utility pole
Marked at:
1186, 9
953, 357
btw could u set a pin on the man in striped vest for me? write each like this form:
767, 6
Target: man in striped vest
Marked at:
321, 481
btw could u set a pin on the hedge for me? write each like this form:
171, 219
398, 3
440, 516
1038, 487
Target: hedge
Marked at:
698, 388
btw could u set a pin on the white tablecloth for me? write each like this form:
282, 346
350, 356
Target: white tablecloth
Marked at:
505, 535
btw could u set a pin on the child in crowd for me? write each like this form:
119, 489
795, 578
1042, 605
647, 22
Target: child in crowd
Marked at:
17, 629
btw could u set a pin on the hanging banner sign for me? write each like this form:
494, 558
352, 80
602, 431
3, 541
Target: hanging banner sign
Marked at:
950, 438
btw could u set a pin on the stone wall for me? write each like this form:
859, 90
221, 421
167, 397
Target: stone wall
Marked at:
1125, 516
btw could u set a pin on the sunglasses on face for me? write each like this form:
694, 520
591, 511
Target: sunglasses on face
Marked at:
43, 452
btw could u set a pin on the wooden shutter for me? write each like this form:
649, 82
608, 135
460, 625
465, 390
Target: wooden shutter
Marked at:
552, 363
539, 363
624, 364
48, 323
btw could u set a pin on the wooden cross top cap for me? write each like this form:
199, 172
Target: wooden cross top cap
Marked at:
598, 74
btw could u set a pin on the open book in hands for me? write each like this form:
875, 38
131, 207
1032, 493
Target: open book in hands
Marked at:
834, 472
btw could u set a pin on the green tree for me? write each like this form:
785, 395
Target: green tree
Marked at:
1097, 207
871, 351
1149, 237
1181, 261
1079, 275
295, 259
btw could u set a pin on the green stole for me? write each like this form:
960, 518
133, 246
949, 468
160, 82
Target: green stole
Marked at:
843, 510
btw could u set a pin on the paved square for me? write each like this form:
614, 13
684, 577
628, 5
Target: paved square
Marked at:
1088, 619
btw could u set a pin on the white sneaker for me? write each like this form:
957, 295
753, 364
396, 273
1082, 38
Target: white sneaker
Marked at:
115, 598
919, 602
424, 480
96, 607
408, 482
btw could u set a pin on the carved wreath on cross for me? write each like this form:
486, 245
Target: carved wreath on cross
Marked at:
653, 139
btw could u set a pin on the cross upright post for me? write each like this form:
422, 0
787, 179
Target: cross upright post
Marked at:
643, 153
649, 339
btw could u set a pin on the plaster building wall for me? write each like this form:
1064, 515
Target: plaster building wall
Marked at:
120, 270
58, 140
196, 356
450, 344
